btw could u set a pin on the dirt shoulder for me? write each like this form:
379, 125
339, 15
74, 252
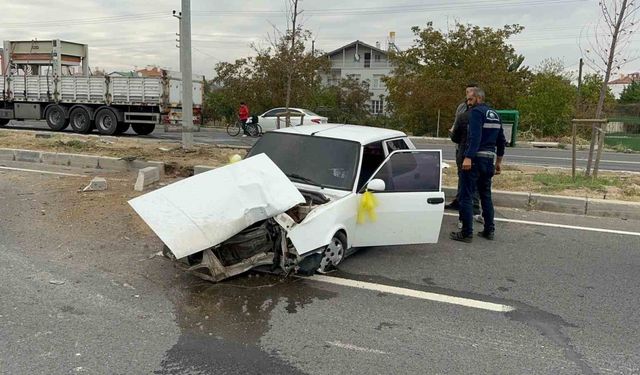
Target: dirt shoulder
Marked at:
169, 152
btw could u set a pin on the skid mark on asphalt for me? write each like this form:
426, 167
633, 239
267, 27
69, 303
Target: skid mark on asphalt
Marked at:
476, 304
562, 226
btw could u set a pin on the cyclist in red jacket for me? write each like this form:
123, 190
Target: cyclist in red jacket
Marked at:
243, 116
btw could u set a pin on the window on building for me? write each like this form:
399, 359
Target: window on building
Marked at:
367, 60
376, 106
377, 81
377, 58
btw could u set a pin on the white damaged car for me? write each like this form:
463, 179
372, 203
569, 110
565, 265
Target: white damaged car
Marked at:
293, 203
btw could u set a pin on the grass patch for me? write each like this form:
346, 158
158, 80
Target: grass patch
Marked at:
73, 144
623, 142
558, 182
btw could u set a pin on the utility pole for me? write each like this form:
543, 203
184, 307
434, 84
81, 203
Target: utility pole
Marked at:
187, 76
313, 48
578, 101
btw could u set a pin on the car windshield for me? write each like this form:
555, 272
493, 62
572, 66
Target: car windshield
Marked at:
324, 162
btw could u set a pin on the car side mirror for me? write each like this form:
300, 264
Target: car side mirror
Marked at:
376, 185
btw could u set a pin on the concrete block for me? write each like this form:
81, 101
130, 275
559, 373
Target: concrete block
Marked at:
197, 169
7, 154
555, 203
113, 164
82, 161
146, 177
28, 156
135, 165
97, 184
613, 208
511, 199
55, 158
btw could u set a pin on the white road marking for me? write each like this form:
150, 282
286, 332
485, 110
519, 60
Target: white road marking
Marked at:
355, 348
45, 172
568, 159
562, 226
412, 293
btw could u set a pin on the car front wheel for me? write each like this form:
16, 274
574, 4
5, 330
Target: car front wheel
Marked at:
334, 253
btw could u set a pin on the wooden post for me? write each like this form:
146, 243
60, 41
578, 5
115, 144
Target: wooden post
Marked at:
596, 166
574, 132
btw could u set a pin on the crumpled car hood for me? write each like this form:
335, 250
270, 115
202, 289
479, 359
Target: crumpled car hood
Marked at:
209, 208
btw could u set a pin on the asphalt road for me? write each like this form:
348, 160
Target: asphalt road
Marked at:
519, 155
82, 293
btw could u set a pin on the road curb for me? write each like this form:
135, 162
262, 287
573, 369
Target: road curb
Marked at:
77, 160
562, 204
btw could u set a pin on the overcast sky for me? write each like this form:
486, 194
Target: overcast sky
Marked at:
123, 35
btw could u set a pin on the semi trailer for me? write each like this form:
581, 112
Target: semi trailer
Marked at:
50, 80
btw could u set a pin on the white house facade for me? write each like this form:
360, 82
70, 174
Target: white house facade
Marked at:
366, 63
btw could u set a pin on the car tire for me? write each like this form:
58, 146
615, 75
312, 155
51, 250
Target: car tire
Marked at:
56, 118
106, 122
80, 120
143, 129
4, 121
333, 253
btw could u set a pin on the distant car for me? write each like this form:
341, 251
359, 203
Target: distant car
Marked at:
293, 202
269, 120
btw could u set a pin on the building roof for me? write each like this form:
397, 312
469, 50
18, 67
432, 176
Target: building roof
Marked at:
626, 79
352, 44
361, 134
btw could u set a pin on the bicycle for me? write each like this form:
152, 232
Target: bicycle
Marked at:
253, 128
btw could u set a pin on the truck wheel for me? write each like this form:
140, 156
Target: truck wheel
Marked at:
4, 121
143, 129
56, 118
333, 253
80, 120
122, 128
106, 122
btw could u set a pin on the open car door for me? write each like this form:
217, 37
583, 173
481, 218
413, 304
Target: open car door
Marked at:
410, 204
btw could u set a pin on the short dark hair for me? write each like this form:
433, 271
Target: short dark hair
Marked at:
241, 103
471, 84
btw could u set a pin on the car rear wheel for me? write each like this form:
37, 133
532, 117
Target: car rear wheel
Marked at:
122, 128
334, 252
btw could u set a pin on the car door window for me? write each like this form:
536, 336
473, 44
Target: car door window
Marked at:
372, 157
396, 144
411, 171
273, 112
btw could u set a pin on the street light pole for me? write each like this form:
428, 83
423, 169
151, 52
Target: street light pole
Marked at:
187, 76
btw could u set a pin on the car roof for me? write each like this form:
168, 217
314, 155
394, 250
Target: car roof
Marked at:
361, 134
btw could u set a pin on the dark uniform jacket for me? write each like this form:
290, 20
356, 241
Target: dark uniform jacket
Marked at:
459, 135
485, 132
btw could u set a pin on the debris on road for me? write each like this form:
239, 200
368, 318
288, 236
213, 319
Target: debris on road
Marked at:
97, 184
56, 282
164, 149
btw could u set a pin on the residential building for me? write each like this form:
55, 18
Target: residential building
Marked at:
619, 84
364, 62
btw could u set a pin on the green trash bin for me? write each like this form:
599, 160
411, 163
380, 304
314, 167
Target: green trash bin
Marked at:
510, 119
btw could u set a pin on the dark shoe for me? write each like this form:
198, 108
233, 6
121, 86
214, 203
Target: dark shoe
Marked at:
459, 236
488, 235
454, 205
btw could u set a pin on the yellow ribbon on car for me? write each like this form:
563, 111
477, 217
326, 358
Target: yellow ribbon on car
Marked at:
367, 207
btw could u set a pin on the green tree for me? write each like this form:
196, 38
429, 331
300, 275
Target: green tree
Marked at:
631, 93
346, 102
589, 96
432, 74
547, 106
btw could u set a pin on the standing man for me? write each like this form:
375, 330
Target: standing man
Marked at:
458, 134
482, 159
243, 116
